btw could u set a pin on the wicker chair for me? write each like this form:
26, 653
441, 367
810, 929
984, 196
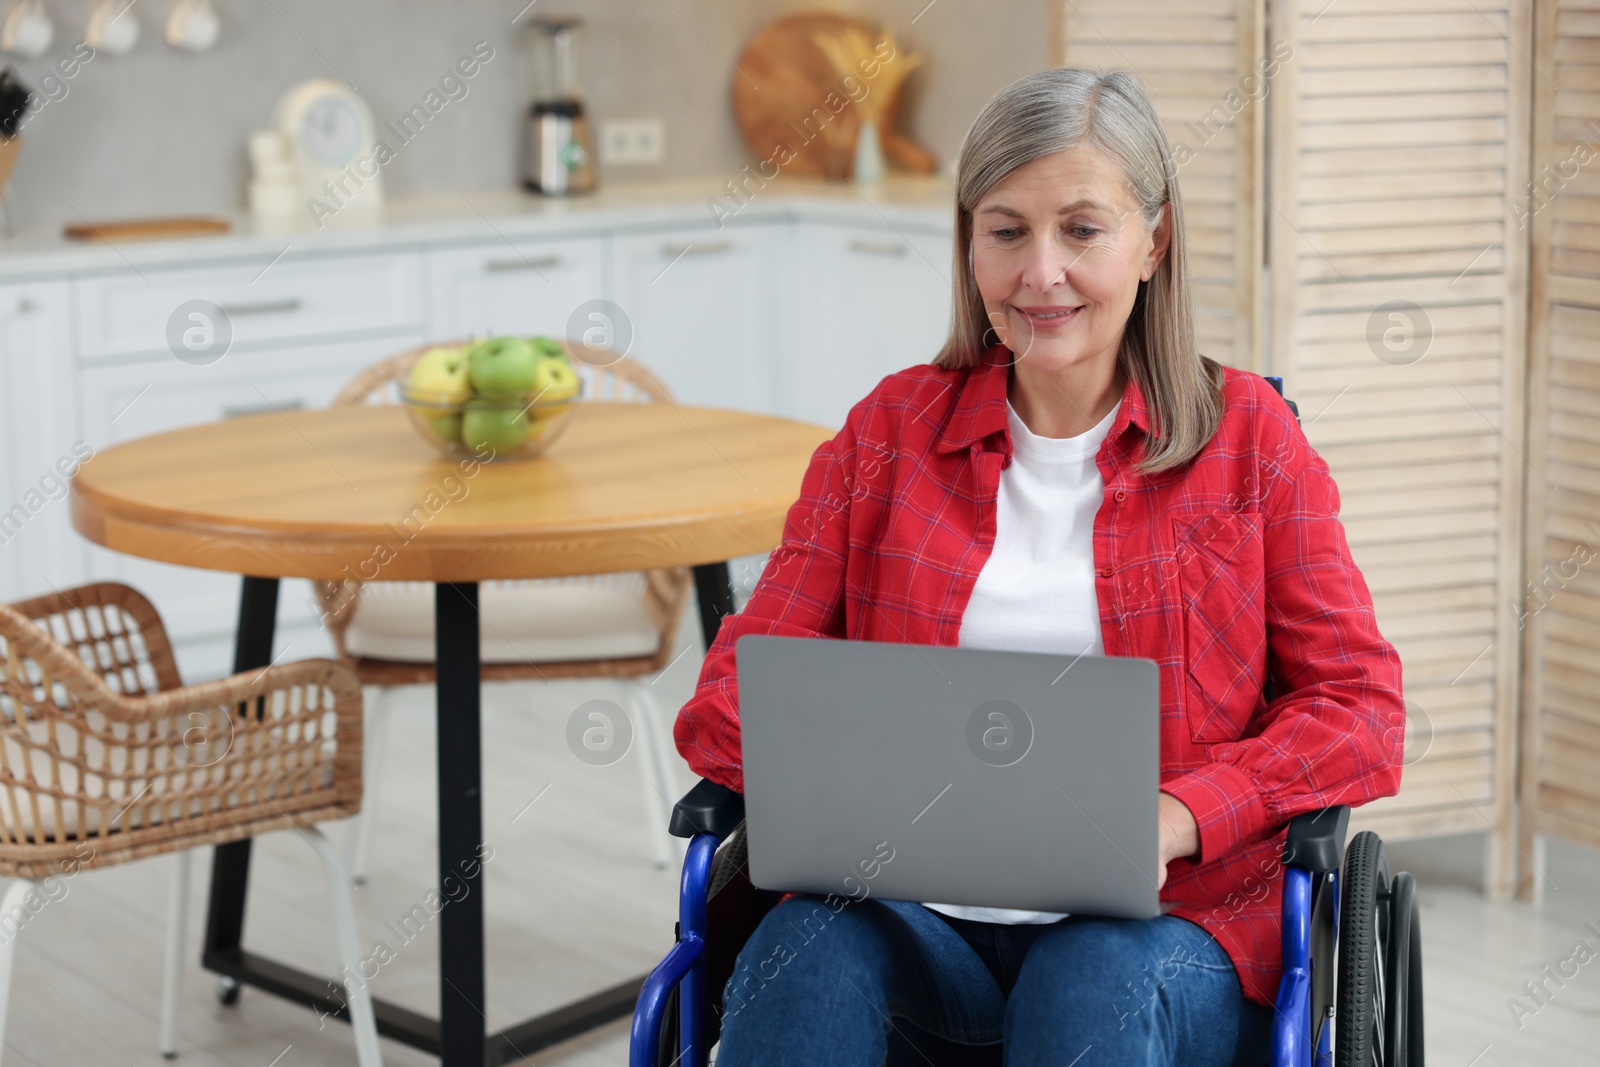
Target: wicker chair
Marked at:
620, 626
106, 757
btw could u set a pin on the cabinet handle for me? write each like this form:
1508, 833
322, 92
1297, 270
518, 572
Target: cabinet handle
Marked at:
266, 307
496, 266
25, 306
878, 248
703, 248
238, 411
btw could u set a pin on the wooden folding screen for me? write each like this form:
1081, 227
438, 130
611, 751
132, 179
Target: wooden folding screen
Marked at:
1398, 319
1394, 293
1560, 600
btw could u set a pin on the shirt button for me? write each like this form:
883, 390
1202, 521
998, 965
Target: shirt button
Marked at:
1119, 495
1105, 572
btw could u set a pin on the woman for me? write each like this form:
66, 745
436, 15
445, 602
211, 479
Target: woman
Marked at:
1086, 482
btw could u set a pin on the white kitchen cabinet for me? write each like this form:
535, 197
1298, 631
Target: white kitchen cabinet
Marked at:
264, 302
867, 302
129, 400
520, 287
704, 308
39, 448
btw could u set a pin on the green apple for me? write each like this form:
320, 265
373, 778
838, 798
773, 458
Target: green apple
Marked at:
440, 376
495, 425
548, 346
554, 379
502, 366
447, 427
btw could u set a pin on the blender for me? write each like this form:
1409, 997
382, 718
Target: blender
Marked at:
557, 146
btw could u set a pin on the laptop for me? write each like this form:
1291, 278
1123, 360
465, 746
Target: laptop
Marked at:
959, 775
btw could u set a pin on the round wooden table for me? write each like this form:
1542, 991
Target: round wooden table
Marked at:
356, 492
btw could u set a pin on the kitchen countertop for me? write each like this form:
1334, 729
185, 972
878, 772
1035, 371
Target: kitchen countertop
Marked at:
922, 202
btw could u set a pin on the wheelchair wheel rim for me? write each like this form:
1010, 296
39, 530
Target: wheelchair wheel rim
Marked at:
1380, 980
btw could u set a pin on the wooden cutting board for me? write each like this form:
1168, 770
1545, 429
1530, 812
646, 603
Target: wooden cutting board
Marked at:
143, 229
782, 76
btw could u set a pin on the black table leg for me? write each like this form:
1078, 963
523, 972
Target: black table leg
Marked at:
230, 867
458, 1036
714, 590
461, 965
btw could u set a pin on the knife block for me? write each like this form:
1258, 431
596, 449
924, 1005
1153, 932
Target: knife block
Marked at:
9, 147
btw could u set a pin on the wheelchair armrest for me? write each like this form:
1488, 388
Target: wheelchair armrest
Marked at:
1316, 839
708, 808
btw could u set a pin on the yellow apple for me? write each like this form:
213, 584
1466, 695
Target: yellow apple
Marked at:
554, 379
440, 376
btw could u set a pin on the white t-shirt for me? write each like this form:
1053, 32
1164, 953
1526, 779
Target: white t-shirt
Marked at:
1036, 590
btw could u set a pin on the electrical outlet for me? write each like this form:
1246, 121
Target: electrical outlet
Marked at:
650, 138
632, 142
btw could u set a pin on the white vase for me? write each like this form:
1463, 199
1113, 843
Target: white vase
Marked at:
869, 154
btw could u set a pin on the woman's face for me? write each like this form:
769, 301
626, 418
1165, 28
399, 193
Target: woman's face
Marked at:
1058, 251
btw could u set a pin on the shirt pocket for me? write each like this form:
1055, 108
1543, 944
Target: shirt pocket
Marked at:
1218, 555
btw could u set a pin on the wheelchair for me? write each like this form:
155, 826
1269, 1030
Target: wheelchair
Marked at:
1350, 994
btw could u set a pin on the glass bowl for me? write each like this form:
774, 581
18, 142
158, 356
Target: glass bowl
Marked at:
490, 428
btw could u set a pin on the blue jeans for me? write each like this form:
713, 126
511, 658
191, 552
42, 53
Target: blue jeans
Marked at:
887, 982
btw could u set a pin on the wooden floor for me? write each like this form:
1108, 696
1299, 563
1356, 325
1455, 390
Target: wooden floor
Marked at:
573, 904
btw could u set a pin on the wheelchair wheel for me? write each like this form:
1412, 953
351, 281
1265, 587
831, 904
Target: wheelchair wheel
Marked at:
1359, 1030
1378, 1022
1404, 961
667, 1047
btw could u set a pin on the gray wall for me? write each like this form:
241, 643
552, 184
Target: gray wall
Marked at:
161, 131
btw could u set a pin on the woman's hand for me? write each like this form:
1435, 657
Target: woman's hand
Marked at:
1178, 834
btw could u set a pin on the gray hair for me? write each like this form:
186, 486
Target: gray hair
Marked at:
1057, 109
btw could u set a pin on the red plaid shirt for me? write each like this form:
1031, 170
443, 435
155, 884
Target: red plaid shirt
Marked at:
1205, 570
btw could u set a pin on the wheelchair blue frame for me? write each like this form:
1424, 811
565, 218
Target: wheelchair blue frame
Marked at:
1292, 1023
685, 968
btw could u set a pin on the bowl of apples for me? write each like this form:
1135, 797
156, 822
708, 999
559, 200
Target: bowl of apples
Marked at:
497, 399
